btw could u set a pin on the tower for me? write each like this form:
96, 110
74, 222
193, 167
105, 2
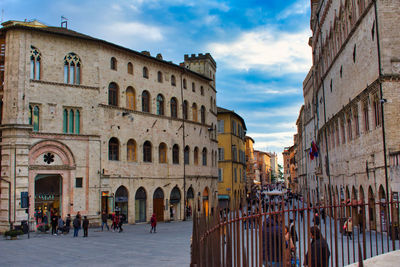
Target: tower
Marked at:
203, 64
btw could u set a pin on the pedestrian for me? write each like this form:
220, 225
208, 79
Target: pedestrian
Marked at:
114, 218
120, 222
61, 227
104, 218
301, 214
68, 223
153, 222
348, 227
85, 226
319, 250
77, 226
54, 221
289, 249
316, 219
292, 231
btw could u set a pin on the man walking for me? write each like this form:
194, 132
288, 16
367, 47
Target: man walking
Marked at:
319, 250
77, 225
104, 218
85, 226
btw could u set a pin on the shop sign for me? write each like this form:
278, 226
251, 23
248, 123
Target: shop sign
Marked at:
121, 199
45, 196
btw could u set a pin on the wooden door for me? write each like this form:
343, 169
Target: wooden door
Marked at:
158, 208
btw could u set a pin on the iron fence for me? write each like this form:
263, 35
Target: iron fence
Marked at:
313, 232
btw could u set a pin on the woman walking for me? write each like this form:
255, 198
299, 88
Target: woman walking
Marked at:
153, 221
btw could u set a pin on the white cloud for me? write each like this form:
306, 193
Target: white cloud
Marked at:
298, 8
266, 49
279, 112
124, 30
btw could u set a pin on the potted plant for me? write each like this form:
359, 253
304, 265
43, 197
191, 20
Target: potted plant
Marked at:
13, 234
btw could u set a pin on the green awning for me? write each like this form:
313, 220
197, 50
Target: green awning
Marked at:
223, 197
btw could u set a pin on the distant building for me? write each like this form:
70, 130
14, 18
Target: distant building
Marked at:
253, 177
231, 157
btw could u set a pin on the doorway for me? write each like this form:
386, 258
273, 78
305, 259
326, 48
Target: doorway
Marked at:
140, 205
121, 202
158, 204
48, 196
175, 204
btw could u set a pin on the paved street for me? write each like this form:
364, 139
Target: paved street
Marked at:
135, 246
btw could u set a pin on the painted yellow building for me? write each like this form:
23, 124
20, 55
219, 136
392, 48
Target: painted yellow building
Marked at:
231, 157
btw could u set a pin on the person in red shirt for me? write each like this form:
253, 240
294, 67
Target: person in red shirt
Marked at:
153, 221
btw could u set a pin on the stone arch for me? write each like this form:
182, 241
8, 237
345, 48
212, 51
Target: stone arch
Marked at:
371, 209
354, 205
175, 204
121, 201
158, 204
140, 205
383, 215
205, 195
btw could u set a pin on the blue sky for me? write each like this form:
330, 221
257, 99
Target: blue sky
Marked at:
260, 47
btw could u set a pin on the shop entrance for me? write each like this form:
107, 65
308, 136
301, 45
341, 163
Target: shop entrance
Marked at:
158, 204
175, 204
140, 205
48, 196
121, 202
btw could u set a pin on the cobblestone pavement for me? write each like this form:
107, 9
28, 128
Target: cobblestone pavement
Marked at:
135, 246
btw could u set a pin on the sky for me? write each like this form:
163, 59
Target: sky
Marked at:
260, 46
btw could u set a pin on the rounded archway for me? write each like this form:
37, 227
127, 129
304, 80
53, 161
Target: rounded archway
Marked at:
121, 202
354, 206
190, 202
158, 204
371, 209
205, 201
140, 205
175, 204
382, 208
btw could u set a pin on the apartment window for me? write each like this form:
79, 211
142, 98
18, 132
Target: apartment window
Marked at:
159, 77
35, 63
72, 69
145, 73
130, 68
356, 123
113, 94
147, 151
174, 108
194, 112
130, 98
113, 63
175, 154
204, 156
196, 156
34, 117
235, 174
185, 110
145, 101
377, 112
131, 150
366, 116
186, 155
113, 149
234, 153
78, 182
221, 155
349, 130
193, 87
221, 126
220, 175
160, 105
203, 114
184, 84
201, 90
173, 80
234, 129
343, 133
162, 153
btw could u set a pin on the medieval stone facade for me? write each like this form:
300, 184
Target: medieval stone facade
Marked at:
94, 127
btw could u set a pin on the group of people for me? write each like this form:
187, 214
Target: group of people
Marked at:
117, 220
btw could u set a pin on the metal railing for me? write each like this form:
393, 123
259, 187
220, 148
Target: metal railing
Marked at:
295, 233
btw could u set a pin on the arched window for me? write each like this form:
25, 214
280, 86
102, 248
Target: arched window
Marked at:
113, 94
175, 154
203, 114
113, 149
162, 153
145, 101
65, 121
184, 84
204, 156
193, 87
173, 80
145, 73
113, 63
211, 103
77, 122
35, 63
72, 69
186, 155
71, 121
130, 98
185, 110
201, 90
174, 108
160, 105
131, 150
130, 68
194, 112
147, 151
196, 156
35, 118
159, 77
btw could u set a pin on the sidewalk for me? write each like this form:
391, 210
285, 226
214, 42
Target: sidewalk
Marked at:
135, 246
385, 260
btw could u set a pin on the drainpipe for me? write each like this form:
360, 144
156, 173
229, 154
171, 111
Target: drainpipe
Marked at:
382, 101
184, 143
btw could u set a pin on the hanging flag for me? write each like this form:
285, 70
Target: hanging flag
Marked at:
314, 149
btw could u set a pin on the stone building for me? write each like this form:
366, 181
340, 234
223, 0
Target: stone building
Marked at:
251, 174
355, 102
91, 126
231, 157
263, 166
